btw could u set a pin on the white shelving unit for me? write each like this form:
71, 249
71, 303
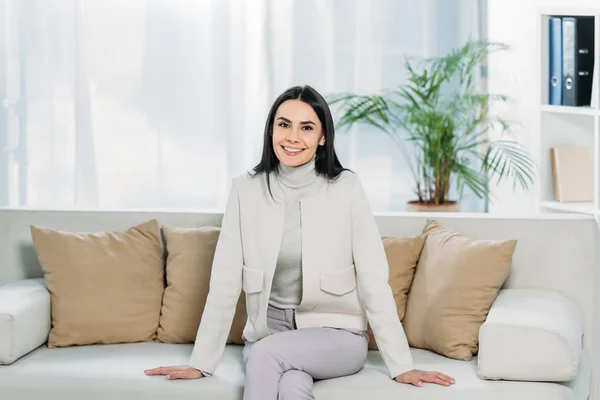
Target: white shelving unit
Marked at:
562, 125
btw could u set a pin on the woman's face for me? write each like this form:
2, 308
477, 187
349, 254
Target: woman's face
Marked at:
297, 132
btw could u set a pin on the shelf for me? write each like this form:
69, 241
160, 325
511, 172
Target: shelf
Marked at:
558, 125
568, 11
569, 110
573, 207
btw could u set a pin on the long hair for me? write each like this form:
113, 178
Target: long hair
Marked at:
326, 159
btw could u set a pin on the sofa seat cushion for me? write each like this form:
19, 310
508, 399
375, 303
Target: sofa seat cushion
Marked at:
115, 372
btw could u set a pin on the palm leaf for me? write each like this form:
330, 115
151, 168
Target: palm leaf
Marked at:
471, 178
509, 158
439, 112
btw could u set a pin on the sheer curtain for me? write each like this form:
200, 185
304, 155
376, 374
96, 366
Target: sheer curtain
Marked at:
159, 103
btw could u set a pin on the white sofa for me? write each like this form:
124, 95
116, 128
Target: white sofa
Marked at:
531, 333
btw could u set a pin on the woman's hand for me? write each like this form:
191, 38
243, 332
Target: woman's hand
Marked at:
417, 377
175, 372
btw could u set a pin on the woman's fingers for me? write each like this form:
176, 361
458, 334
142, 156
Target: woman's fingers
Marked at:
188, 373
445, 377
166, 370
417, 377
175, 375
410, 379
437, 377
415, 381
159, 371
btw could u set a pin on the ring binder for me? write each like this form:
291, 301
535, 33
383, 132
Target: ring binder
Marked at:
577, 60
555, 33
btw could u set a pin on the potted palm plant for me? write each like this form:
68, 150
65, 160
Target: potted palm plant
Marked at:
441, 123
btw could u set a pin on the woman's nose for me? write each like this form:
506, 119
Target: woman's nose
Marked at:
293, 135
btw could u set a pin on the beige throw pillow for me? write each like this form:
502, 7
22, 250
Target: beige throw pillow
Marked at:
402, 255
189, 262
456, 282
105, 287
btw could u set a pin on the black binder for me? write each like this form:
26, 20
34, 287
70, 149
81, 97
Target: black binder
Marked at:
578, 60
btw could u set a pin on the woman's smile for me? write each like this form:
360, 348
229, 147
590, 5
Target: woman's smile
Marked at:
292, 151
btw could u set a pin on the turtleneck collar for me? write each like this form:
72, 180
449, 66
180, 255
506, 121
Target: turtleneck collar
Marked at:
297, 177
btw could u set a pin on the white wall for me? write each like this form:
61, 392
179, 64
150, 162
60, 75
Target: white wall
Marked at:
516, 74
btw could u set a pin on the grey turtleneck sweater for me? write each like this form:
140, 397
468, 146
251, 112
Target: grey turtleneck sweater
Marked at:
295, 182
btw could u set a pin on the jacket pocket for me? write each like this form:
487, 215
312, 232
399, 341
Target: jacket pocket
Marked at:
339, 282
252, 283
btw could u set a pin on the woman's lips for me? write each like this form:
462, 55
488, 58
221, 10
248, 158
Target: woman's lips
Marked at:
291, 153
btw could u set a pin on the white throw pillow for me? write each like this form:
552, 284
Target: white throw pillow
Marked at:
531, 335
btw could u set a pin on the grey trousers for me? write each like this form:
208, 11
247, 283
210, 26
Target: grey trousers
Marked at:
282, 366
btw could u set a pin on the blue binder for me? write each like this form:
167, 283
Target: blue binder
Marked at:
556, 61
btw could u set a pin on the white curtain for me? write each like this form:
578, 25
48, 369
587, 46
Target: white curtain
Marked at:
158, 103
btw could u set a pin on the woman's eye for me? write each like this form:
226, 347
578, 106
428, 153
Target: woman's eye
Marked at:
307, 127
283, 125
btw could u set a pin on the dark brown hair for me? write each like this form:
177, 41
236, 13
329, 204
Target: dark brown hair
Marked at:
326, 159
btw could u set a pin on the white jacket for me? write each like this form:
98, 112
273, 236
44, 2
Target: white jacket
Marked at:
344, 268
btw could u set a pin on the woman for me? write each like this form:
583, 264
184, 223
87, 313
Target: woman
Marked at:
299, 238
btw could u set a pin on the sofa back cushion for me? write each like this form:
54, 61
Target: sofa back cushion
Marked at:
190, 253
402, 255
105, 287
456, 281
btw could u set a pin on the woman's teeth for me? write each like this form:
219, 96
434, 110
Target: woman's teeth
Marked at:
290, 150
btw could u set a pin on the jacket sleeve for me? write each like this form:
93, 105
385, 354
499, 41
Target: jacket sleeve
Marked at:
224, 292
372, 276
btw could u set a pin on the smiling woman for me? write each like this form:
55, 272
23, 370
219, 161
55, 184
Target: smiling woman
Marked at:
297, 133
311, 262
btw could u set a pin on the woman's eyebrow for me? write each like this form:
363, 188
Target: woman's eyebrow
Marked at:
284, 119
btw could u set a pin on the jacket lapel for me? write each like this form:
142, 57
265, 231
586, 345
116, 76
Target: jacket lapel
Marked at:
272, 219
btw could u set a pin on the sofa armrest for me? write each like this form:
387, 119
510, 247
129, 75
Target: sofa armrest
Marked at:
531, 335
24, 318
